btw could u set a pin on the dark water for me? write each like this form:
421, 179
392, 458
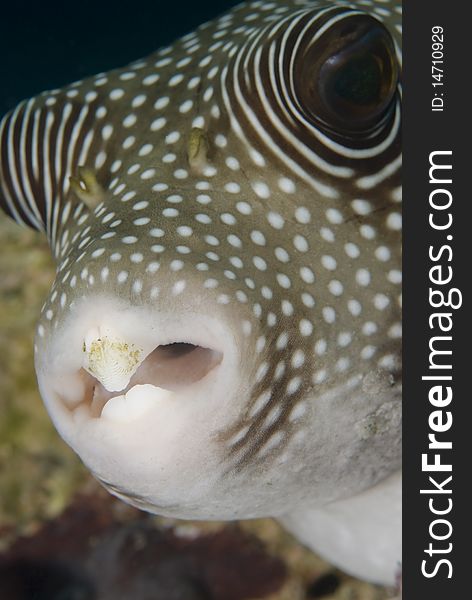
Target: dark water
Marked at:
47, 44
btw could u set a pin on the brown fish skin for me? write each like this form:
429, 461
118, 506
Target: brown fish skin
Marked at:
238, 192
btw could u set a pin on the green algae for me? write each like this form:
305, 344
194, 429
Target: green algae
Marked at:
38, 473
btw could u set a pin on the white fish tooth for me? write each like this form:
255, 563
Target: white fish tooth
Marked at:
134, 404
113, 362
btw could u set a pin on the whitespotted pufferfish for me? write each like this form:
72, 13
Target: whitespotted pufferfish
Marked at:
222, 339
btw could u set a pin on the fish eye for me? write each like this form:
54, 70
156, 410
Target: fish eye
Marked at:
353, 86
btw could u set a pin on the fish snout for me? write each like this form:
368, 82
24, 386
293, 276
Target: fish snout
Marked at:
133, 382
104, 352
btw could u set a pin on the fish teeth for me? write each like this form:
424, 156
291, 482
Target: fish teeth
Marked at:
113, 362
134, 404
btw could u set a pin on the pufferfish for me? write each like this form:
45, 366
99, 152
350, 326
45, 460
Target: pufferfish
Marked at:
222, 339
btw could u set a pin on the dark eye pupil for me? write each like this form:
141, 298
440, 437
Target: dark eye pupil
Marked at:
359, 81
348, 80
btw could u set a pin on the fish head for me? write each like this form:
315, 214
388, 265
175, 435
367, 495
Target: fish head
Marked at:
222, 337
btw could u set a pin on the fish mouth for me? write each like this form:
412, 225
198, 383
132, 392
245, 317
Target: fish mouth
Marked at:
112, 371
167, 370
